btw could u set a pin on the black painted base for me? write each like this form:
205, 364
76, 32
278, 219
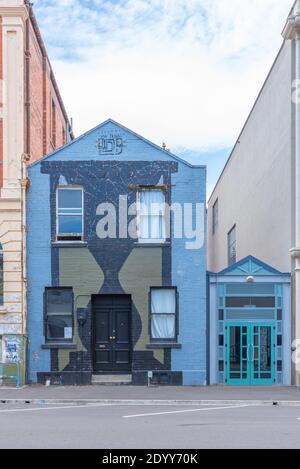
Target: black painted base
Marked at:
65, 378
160, 378
139, 378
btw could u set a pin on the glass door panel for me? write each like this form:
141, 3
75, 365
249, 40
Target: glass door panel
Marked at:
263, 354
250, 354
237, 355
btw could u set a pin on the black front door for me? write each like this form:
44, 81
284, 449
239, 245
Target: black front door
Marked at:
111, 332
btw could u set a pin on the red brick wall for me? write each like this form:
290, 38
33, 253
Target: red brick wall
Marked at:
42, 94
1, 108
36, 98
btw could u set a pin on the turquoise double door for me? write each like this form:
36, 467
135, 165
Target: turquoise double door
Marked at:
250, 354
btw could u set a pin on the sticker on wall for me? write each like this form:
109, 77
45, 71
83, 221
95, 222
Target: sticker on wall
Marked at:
68, 333
12, 349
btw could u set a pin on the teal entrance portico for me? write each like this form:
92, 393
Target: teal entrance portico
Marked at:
249, 325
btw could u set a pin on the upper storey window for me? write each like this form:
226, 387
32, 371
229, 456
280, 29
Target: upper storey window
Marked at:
215, 216
151, 216
231, 240
69, 214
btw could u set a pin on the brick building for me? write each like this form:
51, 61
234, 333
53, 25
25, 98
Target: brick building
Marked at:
33, 122
122, 290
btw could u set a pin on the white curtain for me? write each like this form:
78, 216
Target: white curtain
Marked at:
152, 210
163, 326
163, 309
163, 301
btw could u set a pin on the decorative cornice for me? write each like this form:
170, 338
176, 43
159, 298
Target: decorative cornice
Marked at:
292, 27
20, 11
295, 252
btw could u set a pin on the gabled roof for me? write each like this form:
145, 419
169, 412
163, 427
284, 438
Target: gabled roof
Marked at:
111, 121
250, 266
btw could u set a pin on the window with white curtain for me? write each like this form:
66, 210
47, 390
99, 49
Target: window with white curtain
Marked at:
151, 216
163, 313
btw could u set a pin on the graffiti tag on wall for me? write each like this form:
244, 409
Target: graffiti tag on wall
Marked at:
110, 144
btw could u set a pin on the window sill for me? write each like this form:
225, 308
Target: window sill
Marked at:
152, 244
69, 244
162, 345
62, 345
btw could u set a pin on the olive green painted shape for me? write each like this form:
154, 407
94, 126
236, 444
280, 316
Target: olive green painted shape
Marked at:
78, 269
63, 359
142, 270
159, 355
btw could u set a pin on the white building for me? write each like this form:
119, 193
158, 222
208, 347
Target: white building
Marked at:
254, 209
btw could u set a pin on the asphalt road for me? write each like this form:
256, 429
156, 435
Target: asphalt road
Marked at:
151, 427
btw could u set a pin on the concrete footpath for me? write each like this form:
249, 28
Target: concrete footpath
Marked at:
136, 395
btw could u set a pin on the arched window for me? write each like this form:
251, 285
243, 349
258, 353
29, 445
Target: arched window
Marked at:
1, 276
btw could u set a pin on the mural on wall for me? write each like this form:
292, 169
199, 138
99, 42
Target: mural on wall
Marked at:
113, 166
109, 266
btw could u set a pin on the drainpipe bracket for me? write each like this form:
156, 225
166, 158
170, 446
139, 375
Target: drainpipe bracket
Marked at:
26, 157
25, 183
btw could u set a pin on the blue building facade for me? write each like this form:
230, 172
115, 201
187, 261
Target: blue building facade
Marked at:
116, 262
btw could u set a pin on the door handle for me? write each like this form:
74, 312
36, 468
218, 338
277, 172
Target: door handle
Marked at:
250, 356
112, 338
253, 353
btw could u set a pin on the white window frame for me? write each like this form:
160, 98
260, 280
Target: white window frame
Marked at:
62, 236
138, 204
175, 315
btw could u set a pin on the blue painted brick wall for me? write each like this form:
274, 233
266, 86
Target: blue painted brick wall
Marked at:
188, 266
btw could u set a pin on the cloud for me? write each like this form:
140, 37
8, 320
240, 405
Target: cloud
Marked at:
181, 71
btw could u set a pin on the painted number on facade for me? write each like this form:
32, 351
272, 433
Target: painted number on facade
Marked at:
111, 145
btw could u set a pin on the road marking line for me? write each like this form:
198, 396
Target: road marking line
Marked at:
54, 408
183, 411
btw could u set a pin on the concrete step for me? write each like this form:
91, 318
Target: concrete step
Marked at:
110, 380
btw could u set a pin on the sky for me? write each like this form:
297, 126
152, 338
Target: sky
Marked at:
183, 72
